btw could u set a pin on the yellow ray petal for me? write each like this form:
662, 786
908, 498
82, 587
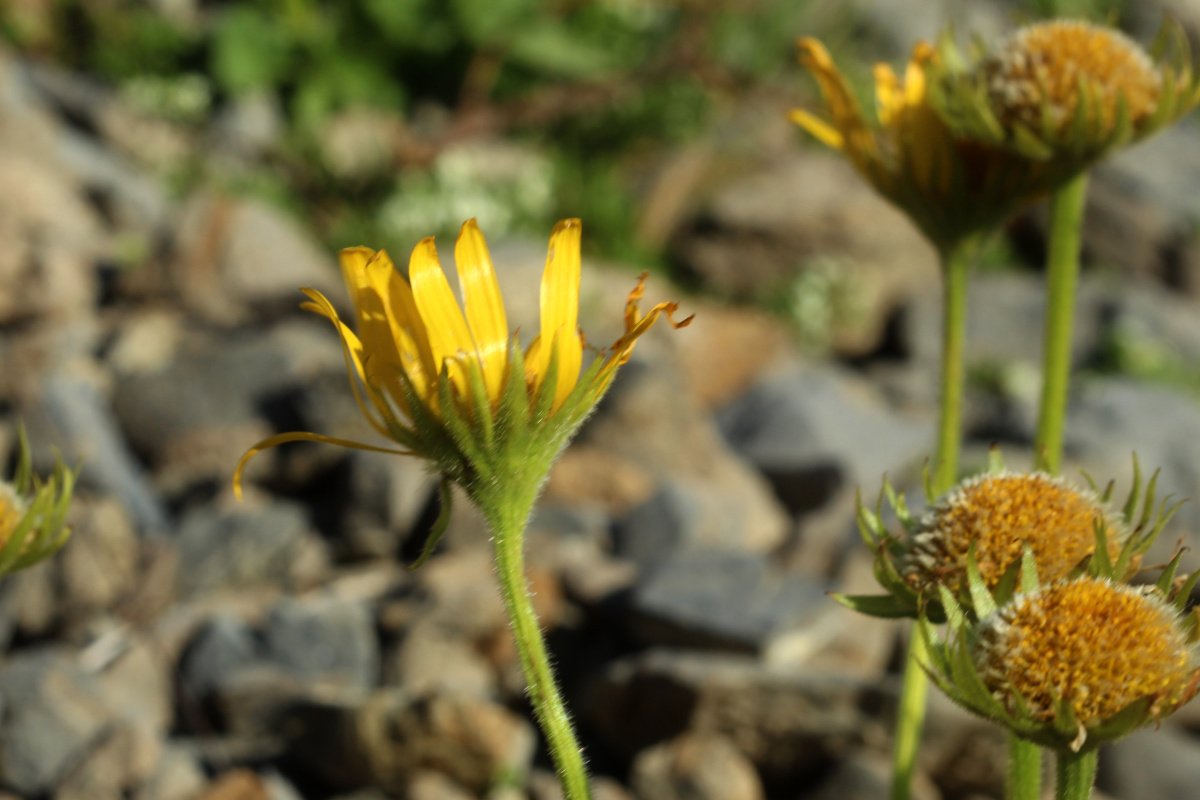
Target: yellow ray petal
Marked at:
370, 304
355, 358
404, 323
442, 318
483, 305
559, 336
301, 436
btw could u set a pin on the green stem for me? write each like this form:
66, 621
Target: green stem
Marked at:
508, 512
1024, 779
1062, 277
955, 263
910, 717
1076, 772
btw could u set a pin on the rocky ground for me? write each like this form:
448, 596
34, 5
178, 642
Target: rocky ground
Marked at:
185, 646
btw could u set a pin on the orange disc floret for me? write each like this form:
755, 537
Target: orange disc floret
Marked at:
1036, 78
1000, 515
1096, 645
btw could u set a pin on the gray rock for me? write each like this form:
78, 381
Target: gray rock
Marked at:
223, 647
1163, 764
248, 545
433, 660
782, 719
241, 258
866, 776
53, 716
324, 641
88, 433
648, 427
815, 431
694, 767
680, 515
727, 600
179, 775
389, 737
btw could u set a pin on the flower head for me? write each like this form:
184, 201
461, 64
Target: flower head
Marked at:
989, 527
995, 518
451, 383
951, 186
1067, 92
1073, 663
33, 513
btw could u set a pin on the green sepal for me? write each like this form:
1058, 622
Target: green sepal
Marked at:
956, 618
445, 507
1183, 594
1101, 564
884, 606
1029, 575
1125, 721
981, 599
1167, 577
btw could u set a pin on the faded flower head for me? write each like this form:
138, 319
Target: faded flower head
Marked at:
450, 382
952, 186
1091, 644
1071, 664
1068, 92
1041, 77
991, 526
996, 517
33, 513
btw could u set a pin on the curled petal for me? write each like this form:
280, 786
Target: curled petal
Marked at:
301, 436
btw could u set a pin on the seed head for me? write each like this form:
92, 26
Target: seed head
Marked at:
1000, 515
1096, 645
1043, 71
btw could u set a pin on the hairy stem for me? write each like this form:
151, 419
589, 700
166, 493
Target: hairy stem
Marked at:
509, 515
1076, 772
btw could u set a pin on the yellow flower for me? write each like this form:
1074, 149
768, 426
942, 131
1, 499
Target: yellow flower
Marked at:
951, 186
450, 382
1068, 92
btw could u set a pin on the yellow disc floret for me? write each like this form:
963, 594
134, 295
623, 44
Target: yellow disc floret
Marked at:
999, 516
1043, 72
1095, 645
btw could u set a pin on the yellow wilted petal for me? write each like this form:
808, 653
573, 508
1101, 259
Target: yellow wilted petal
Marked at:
559, 336
818, 128
889, 100
483, 305
301, 436
439, 312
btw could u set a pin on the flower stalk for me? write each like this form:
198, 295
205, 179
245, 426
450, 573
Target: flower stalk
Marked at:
1075, 774
915, 687
1062, 279
507, 507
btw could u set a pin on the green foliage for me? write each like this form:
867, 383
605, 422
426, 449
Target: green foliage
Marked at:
592, 89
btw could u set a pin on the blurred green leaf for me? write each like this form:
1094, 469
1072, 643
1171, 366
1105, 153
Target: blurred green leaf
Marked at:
250, 51
553, 49
492, 22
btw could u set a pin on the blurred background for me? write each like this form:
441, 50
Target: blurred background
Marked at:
172, 171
